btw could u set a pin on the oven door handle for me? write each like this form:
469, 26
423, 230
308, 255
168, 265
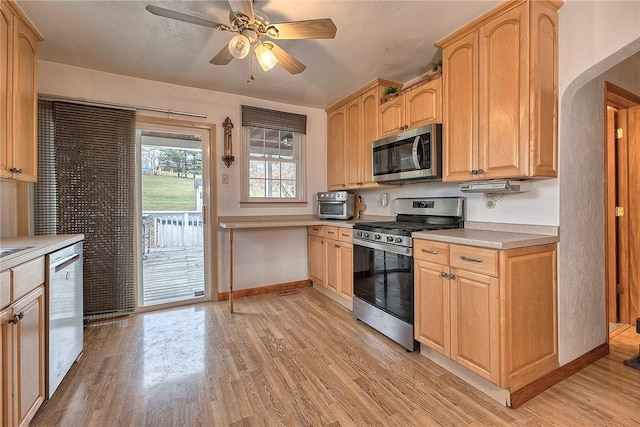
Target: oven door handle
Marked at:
400, 250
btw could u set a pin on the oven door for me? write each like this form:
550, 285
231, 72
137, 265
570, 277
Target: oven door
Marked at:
383, 277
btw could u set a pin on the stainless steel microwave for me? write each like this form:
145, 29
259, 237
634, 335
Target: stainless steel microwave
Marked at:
408, 156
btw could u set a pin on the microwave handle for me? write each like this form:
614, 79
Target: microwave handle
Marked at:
416, 160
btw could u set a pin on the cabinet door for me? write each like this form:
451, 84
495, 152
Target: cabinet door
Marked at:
6, 369
316, 259
336, 173
503, 95
29, 356
332, 248
24, 102
353, 141
475, 324
460, 109
6, 32
424, 104
370, 102
432, 316
391, 116
345, 287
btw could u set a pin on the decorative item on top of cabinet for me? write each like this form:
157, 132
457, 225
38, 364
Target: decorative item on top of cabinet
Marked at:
500, 94
18, 94
414, 108
352, 125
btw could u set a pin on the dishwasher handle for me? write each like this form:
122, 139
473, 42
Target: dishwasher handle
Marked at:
63, 263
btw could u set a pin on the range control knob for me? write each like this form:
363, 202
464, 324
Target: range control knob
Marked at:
398, 239
366, 235
390, 239
377, 237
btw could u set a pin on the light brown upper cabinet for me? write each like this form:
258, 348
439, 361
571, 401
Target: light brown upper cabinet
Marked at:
415, 108
500, 94
352, 125
18, 94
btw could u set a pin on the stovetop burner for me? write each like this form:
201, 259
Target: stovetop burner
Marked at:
413, 215
401, 228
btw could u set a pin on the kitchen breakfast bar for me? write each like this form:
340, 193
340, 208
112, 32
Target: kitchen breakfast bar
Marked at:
232, 223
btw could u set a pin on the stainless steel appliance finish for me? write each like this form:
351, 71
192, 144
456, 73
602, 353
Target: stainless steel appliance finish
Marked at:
409, 156
335, 205
383, 263
64, 316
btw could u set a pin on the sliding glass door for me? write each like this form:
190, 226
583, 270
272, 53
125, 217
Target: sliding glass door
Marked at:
173, 195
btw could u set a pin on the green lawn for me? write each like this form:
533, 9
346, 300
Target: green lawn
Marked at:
167, 193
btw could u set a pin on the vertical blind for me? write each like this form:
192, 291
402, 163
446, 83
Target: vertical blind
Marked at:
86, 179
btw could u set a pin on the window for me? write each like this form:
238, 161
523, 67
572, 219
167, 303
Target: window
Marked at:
273, 160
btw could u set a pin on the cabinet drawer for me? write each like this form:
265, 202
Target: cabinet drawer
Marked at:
345, 234
331, 232
5, 288
27, 277
316, 230
484, 261
426, 250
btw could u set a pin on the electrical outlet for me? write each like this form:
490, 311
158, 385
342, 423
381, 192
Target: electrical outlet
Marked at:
225, 178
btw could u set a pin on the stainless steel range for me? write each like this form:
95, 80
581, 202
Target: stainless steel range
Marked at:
383, 263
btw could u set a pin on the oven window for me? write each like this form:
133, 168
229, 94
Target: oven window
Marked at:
385, 280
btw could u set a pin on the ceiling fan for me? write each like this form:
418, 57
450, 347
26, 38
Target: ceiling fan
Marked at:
252, 27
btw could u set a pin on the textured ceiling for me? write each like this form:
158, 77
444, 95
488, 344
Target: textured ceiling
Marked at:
388, 39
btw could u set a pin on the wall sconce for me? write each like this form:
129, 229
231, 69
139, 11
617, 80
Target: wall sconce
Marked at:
228, 157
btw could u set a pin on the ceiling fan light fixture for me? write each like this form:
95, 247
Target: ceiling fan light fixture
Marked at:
239, 46
272, 32
266, 58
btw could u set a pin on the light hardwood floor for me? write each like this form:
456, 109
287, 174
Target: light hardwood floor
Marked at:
301, 359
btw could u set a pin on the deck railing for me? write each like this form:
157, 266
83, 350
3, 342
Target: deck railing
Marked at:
171, 229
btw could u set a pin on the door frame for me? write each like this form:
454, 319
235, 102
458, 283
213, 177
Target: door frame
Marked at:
210, 209
619, 99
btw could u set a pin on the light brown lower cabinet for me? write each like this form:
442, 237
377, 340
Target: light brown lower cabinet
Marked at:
330, 254
492, 312
22, 330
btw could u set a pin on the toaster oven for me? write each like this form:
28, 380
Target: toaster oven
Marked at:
335, 205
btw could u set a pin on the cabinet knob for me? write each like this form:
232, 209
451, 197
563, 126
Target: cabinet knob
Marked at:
16, 318
443, 274
474, 172
15, 170
480, 171
452, 276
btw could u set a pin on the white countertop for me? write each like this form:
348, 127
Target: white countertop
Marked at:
275, 221
486, 238
41, 245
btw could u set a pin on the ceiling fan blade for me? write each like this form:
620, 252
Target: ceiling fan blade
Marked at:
311, 29
242, 6
172, 14
223, 57
286, 61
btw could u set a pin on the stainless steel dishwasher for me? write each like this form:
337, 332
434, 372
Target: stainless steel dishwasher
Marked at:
64, 310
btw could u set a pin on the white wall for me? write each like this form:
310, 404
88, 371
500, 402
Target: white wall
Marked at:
594, 37
8, 208
261, 257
